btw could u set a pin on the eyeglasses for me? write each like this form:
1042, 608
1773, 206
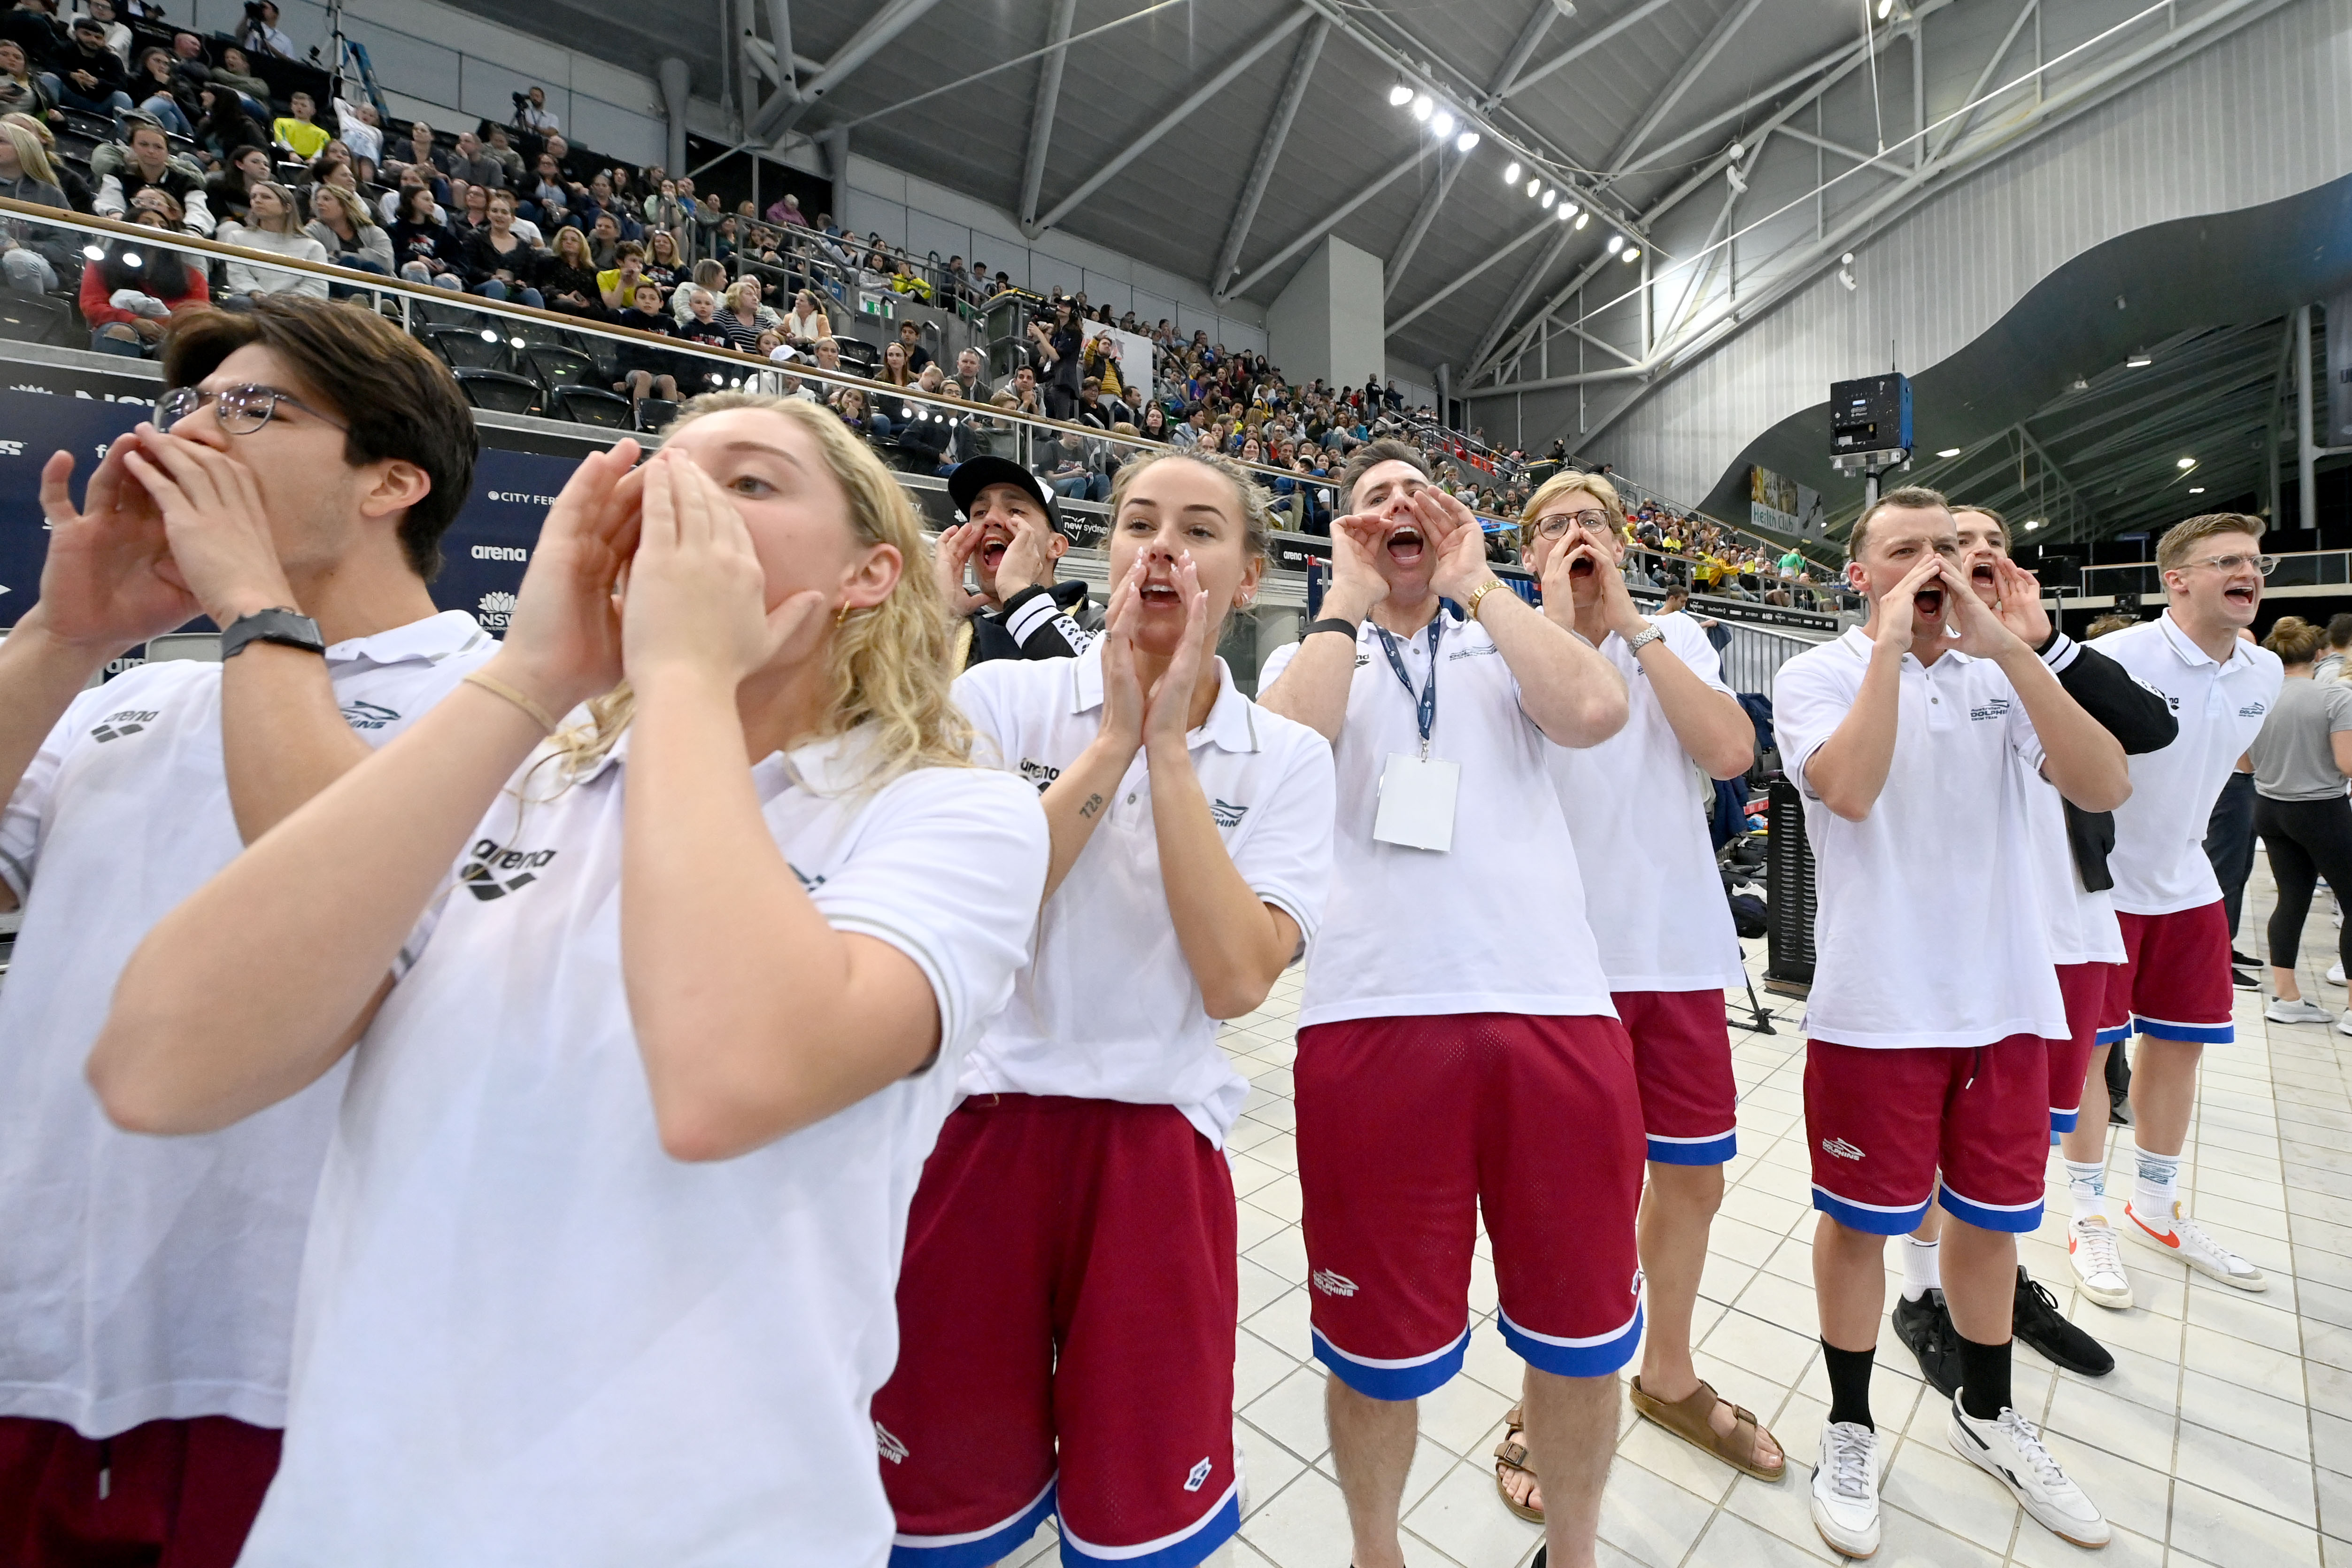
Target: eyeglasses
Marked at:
2227, 564
1555, 524
241, 410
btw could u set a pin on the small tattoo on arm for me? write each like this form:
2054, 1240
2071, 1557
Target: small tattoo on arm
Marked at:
1094, 804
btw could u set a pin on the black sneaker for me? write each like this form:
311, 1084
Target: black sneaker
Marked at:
1926, 1326
2038, 1323
2243, 981
2239, 961
2119, 1111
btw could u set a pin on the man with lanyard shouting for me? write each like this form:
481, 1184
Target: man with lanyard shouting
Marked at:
1456, 1017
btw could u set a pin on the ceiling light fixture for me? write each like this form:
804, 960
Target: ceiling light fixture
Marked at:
1733, 178
1423, 106
1735, 152
1565, 211
1534, 186
2197, 489
1511, 172
1884, 7
2185, 463
1583, 218
1950, 452
1549, 197
2032, 524
1400, 95
1632, 253
1467, 140
1442, 123
2140, 360
1616, 243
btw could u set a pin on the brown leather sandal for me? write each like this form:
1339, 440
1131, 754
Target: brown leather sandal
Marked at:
1689, 1419
1511, 1454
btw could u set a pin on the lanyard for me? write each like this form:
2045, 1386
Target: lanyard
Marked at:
1427, 715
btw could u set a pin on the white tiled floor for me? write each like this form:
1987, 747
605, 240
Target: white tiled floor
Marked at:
2223, 1435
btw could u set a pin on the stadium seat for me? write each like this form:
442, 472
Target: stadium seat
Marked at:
37, 318
499, 392
653, 413
465, 348
556, 366
586, 406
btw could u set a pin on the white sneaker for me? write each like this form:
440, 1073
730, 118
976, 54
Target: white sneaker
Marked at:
2282, 1011
2098, 1264
2187, 1240
1845, 1489
2009, 1450
2335, 970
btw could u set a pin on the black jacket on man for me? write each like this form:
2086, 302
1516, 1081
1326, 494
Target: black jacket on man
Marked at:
2136, 715
1037, 622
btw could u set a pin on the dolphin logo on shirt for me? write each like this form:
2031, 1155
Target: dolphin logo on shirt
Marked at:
1227, 814
890, 1445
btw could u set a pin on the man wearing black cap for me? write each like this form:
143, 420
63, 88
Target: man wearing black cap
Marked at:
1011, 537
90, 75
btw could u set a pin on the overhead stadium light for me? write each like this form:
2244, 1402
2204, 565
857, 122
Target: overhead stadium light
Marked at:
2140, 360
1534, 186
1565, 211
1583, 218
1400, 95
1632, 253
1549, 197
1423, 106
1511, 173
1950, 452
1467, 140
1616, 243
1442, 123
2186, 463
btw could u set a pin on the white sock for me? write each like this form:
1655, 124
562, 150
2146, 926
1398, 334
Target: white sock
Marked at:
2157, 1188
2087, 1184
1922, 1267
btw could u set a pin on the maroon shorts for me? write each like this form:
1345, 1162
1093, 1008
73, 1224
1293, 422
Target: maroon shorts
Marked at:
2084, 986
1882, 1122
2174, 981
1682, 1062
1069, 1284
168, 1494
1410, 1128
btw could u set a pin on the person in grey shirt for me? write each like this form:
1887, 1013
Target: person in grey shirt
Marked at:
2301, 757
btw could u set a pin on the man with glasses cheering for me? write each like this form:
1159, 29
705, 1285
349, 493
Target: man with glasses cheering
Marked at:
293, 488
2174, 984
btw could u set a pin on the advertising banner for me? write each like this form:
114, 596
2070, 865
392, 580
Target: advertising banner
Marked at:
1781, 505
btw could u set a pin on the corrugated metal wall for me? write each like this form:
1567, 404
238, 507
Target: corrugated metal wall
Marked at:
2265, 114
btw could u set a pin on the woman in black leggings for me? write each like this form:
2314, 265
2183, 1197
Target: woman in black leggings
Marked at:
2300, 760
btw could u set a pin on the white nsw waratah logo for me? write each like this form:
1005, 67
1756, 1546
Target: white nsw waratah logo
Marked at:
887, 1442
1839, 1149
1332, 1284
495, 610
1198, 1477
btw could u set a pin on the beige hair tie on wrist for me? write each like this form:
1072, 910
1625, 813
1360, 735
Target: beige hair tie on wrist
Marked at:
497, 688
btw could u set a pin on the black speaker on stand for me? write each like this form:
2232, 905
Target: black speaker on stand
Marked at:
1789, 894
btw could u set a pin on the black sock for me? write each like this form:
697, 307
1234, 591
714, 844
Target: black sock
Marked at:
1984, 1378
1849, 1384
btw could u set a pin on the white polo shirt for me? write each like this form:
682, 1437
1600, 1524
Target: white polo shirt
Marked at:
1497, 923
1928, 928
1109, 1009
527, 1334
152, 1278
2160, 863
1637, 809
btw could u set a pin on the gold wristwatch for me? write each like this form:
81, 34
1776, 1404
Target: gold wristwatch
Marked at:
1479, 597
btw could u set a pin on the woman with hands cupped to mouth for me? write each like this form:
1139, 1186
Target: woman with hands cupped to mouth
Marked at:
1068, 1301
652, 1023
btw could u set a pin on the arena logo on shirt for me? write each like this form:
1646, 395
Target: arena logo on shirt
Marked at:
1332, 1284
1991, 707
497, 871
890, 1445
1038, 773
368, 715
129, 721
808, 884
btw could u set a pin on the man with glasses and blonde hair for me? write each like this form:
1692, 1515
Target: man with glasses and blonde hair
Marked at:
1636, 805
293, 488
2174, 985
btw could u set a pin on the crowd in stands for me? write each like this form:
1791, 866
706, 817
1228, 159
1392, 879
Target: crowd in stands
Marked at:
98, 116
